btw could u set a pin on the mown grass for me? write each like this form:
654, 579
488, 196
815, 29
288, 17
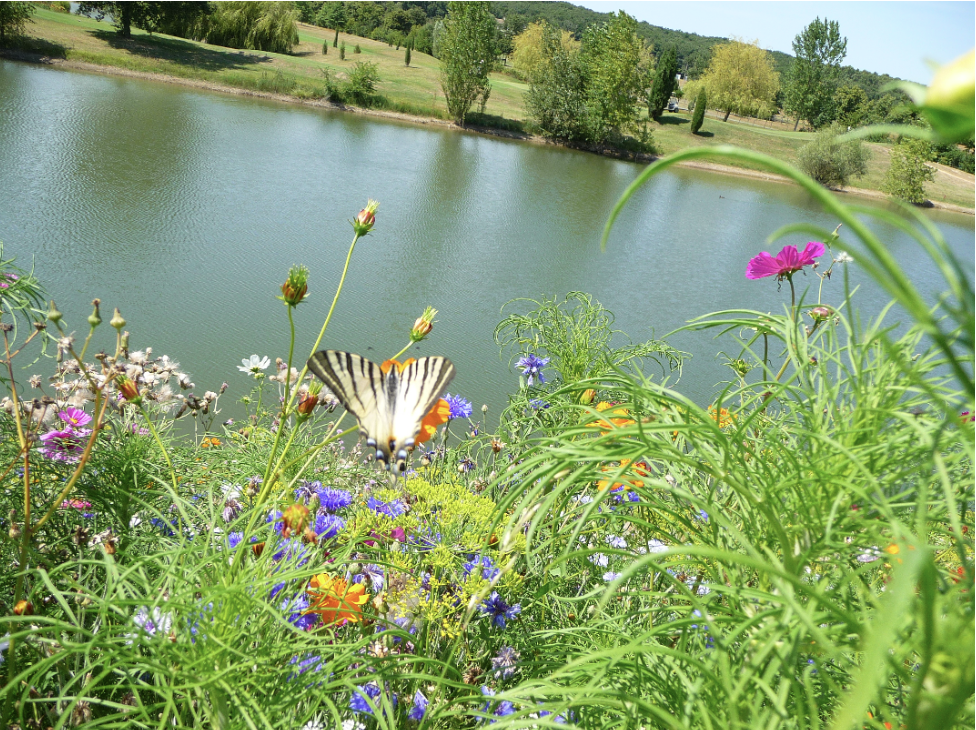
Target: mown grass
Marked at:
413, 90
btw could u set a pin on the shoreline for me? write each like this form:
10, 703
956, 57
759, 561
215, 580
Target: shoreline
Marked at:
40, 59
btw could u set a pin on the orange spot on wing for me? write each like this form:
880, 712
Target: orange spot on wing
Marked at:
437, 416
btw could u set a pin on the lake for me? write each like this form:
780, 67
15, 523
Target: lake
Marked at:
186, 208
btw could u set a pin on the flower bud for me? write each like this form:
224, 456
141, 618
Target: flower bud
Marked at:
820, 314
484, 407
307, 404
128, 389
117, 320
125, 342
364, 222
588, 395
23, 608
53, 314
423, 325
295, 520
294, 290
95, 318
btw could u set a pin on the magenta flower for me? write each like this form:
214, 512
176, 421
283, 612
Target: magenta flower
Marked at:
74, 417
64, 445
786, 263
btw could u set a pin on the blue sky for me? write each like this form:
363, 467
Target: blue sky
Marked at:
895, 38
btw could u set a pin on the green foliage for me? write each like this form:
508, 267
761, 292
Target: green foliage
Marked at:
907, 172
342, 51
699, 116
830, 162
362, 81
357, 49
611, 55
260, 26
14, 17
557, 94
664, 83
406, 56
741, 79
325, 47
812, 80
467, 55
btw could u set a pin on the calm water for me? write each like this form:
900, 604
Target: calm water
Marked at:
185, 210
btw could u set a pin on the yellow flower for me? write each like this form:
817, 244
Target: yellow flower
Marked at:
723, 416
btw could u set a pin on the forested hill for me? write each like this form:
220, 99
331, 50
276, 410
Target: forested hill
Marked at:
693, 50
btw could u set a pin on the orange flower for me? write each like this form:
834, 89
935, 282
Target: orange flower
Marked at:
640, 469
603, 406
334, 600
723, 417
210, 441
438, 415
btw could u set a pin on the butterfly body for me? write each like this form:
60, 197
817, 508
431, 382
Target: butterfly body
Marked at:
389, 401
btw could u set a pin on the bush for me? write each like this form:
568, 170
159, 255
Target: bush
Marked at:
325, 47
831, 163
699, 116
362, 81
908, 173
357, 49
342, 51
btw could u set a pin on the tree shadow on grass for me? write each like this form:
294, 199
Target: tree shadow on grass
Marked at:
703, 133
672, 119
180, 51
39, 46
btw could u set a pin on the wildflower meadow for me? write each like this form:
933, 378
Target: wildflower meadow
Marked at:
795, 554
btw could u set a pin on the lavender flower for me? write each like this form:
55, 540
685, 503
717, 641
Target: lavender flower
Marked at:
460, 408
391, 509
610, 576
531, 366
505, 663
500, 612
328, 526
151, 623
305, 491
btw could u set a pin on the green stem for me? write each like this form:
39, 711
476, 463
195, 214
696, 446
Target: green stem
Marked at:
283, 418
406, 347
159, 441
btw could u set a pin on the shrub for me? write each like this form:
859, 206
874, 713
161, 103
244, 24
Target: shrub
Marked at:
699, 116
342, 51
357, 49
406, 57
908, 173
831, 163
325, 47
362, 81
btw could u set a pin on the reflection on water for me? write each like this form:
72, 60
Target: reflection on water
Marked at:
186, 209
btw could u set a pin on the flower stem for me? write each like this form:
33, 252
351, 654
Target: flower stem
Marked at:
405, 348
283, 419
159, 441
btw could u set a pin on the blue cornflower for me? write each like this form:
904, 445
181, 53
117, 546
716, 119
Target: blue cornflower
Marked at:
391, 509
419, 706
616, 541
274, 517
305, 490
538, 403
500, 612
504, 708
328, 526
297, 617
372, 573
292, 549
610, 576
488, 569
460, 408
311, 663
358, 701
532, 365
234, 539
333, 500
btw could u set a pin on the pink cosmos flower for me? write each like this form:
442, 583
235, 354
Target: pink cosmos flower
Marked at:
63, 445
786, 263
74, 417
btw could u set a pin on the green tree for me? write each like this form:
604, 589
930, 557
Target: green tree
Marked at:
406, 56
335, 39
557, 94
699, 116
664, 83
812, 79
14, 17
908, 173
849, 103
611, 55
467, 54
362, 82
528, 47
831, 163
150, 16
741, 79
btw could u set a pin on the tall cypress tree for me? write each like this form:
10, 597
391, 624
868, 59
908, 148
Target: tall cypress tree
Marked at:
335, 41
699, 115
406, 56
664, 83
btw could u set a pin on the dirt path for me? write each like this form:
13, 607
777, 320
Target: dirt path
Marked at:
430, 121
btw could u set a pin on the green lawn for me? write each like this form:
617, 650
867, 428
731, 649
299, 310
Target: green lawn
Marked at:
414, 89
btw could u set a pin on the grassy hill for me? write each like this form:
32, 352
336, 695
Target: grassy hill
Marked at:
414, 90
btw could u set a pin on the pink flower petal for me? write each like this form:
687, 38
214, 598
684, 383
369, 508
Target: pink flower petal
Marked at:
812, 250
762, 266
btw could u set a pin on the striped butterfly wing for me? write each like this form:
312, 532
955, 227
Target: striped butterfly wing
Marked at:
360, 385
419, 386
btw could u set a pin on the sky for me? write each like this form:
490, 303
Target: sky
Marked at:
896, 38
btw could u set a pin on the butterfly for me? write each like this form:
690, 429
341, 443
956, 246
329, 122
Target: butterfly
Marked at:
389, 401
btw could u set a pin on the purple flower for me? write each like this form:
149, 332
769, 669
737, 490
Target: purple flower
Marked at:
488, 569
75, 417
391, 509
234, 539
151, 623
358, 702
333, 499
500, 612
419, 707
293, 549
328, 526
305, 490
460, 408
373, 573
610, 576
505, 662
63, 445
784, 264
312, 662
532, 365
297, 617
